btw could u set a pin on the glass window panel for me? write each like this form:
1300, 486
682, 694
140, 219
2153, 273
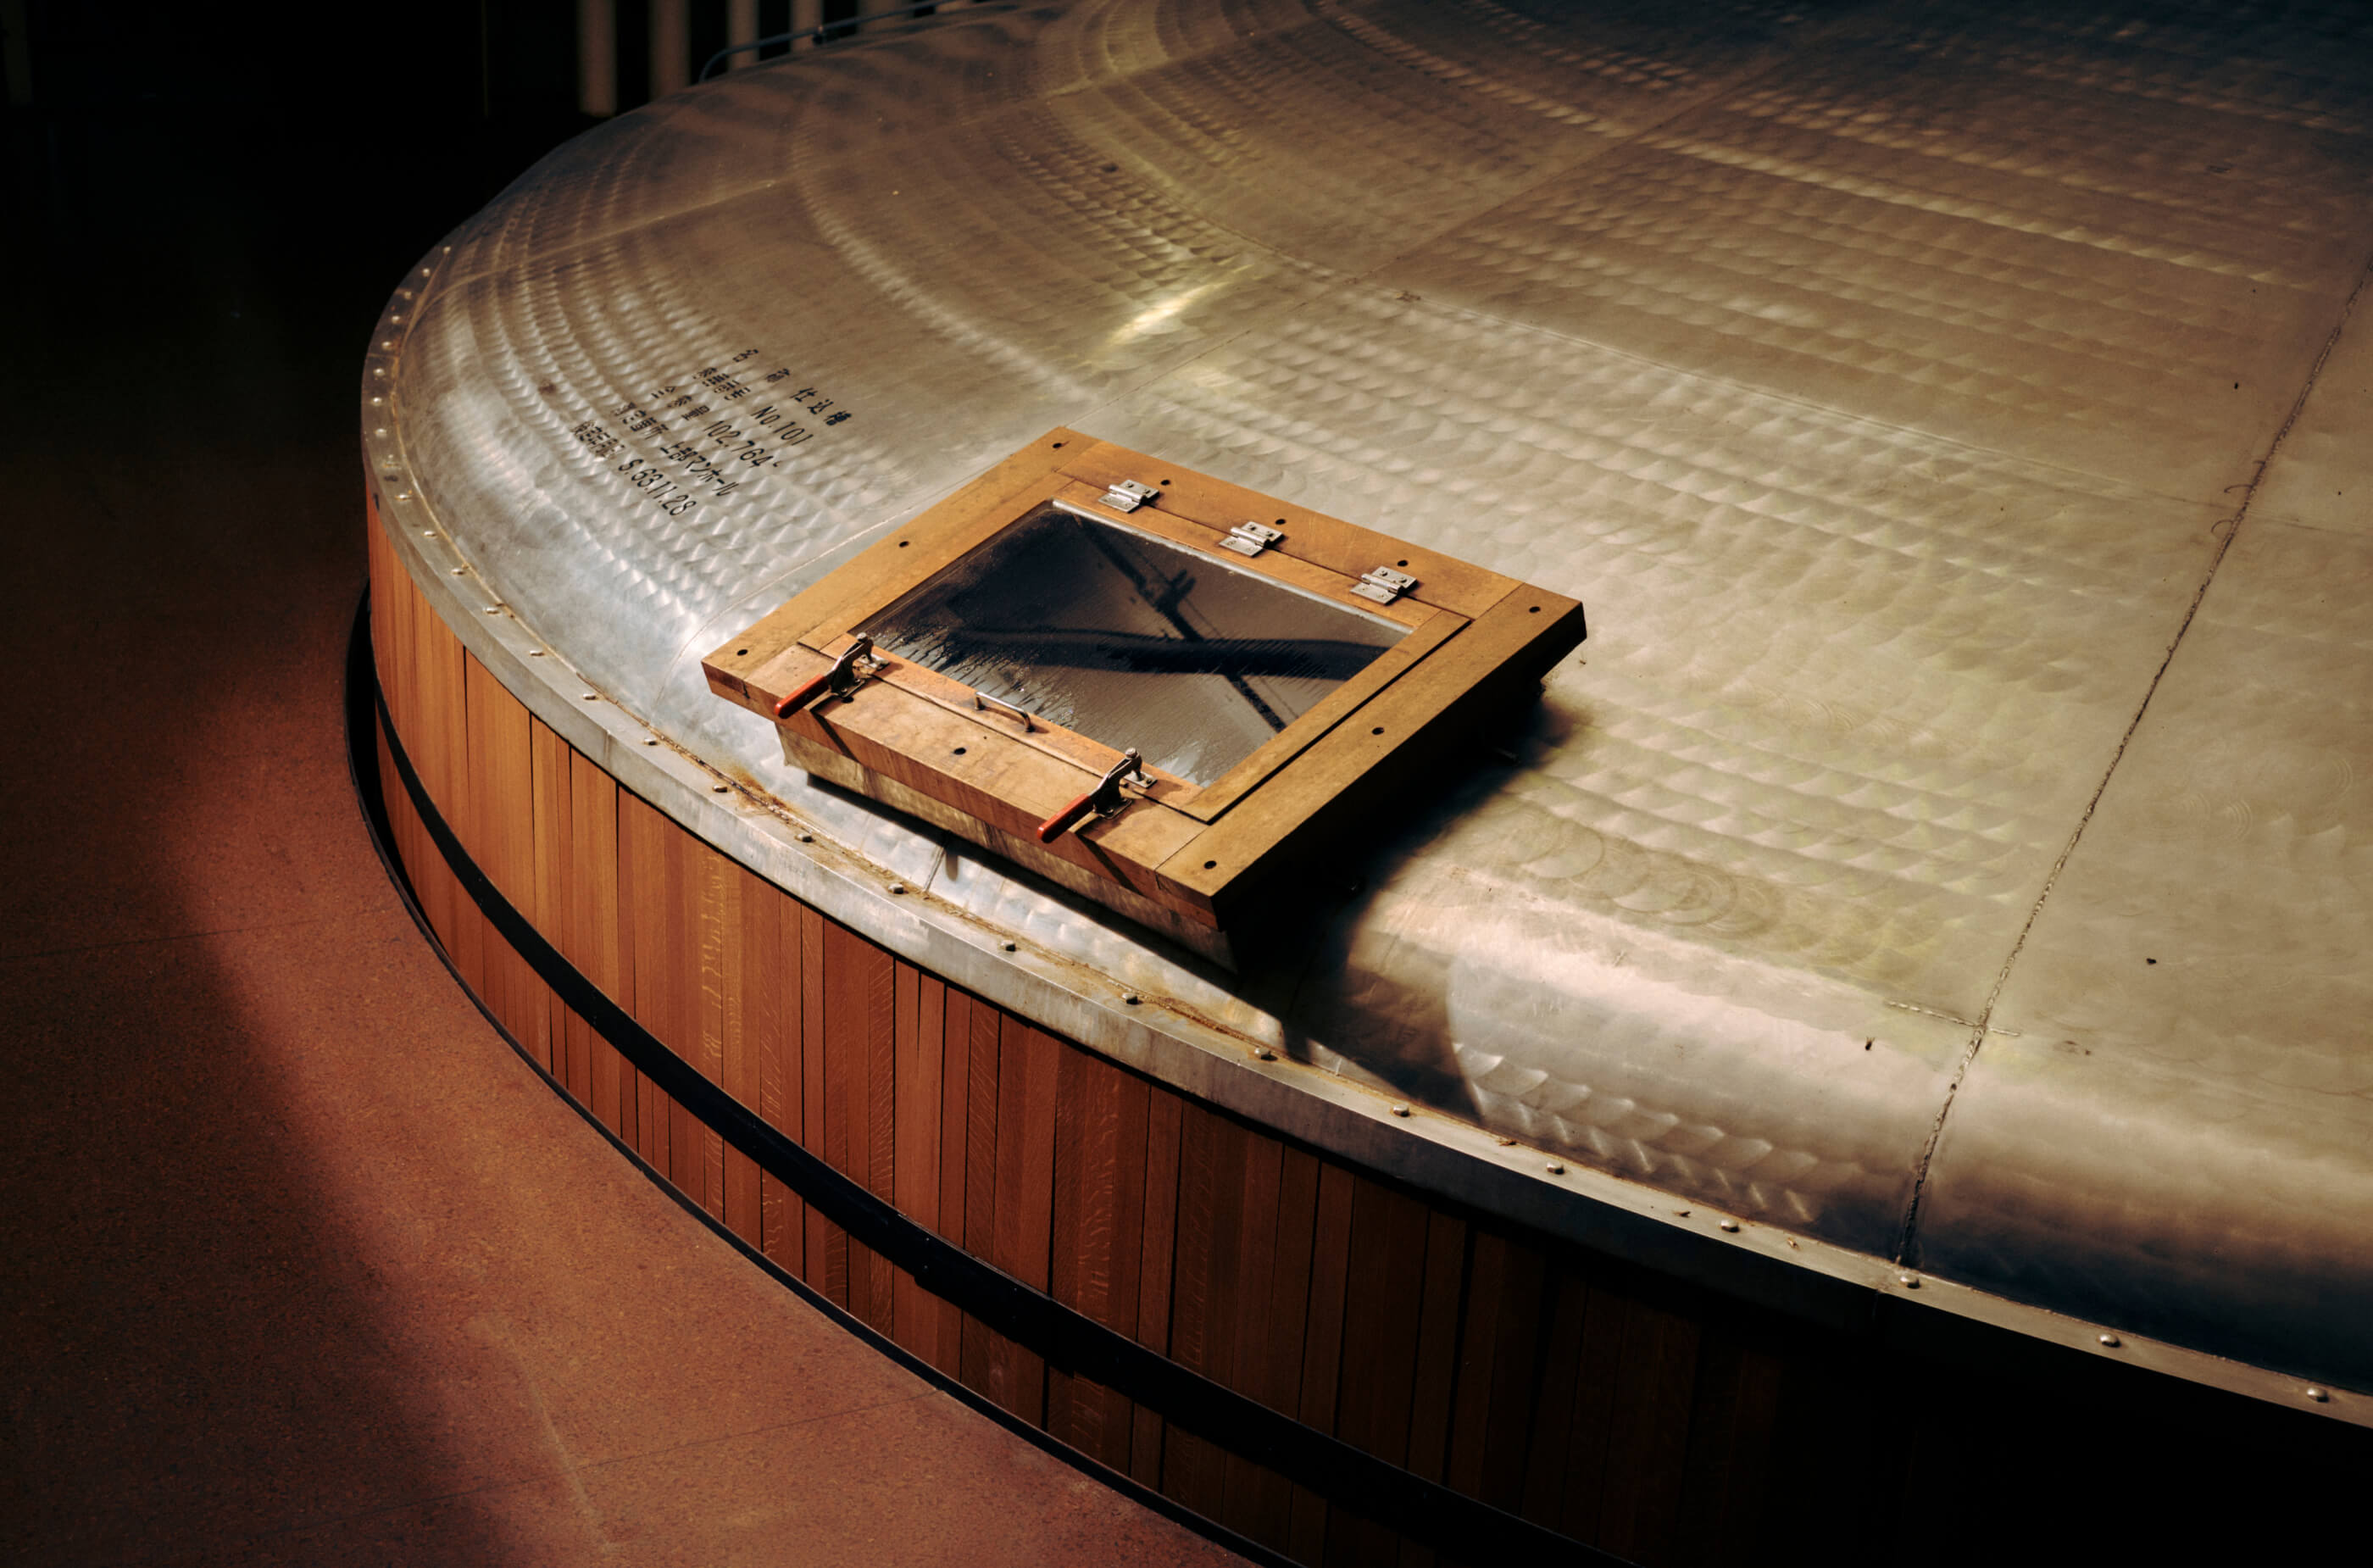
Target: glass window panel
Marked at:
1132, 640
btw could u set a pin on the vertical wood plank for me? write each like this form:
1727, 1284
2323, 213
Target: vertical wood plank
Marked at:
381, 573
1024, 1211
500, 790
771, 1018
847, 997
1648, 1433
1281, 1332
663, 918
859, 989
696, 1149
1733, 1430
1073, 1275
500, 786
639, 1108
400, 605
1579, 1354
956, 1069
437, 731
1257, 1163
1435, 1383
393, 603
880, 1153
1099, 1223
1128, 1134
1164, 1120
548, 763
1380, 1329
733, 1176
440, 750
1437, 1347
593, 939
827, 1244
1497, 1381
915, 1165
1322, 1353
979, 1347
1191, 1467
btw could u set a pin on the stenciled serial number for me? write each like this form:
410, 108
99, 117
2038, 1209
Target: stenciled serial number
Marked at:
719, 457
713, 389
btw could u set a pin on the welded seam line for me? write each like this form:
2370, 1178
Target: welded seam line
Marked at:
1908, 1232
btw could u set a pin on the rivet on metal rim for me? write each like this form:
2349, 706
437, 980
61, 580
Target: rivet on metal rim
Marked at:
1399, 1109
652, 741
1008, 947
1557, 1167
2320, 1396
1503, 1142
807, 838
2111, 1340
894, 887
1730, 1224
1265, 1053
1909, 1281
1131, 999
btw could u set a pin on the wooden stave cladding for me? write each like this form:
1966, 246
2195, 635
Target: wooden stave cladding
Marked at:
1648, 1418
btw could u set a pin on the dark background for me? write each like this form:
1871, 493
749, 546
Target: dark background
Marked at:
254, 171
299, 1265
296, 156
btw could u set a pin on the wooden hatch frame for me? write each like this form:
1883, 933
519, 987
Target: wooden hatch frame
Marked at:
1201, 864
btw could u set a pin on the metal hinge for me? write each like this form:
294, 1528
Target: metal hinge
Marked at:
1383, 585
1251, 538
1127, 495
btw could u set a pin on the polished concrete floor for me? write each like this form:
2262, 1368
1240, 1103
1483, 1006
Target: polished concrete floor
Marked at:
303, 1265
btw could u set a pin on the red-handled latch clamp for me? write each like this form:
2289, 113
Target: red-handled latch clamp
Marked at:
1105, 800
855, 665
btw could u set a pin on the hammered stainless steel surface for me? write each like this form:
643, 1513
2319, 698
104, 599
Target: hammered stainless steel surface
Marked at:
1887, 379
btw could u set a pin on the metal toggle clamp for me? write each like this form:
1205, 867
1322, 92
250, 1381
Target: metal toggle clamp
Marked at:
852, 668
1105, 800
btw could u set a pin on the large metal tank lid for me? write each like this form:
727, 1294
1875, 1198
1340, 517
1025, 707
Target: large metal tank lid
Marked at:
1953, 853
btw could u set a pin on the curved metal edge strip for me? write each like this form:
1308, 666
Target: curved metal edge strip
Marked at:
1347, 1477
1802, 1277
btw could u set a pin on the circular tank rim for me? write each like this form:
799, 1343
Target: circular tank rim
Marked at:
1755, 1261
